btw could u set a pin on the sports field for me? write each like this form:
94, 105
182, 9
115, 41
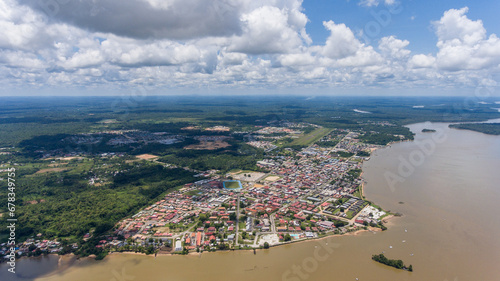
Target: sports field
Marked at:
233, 184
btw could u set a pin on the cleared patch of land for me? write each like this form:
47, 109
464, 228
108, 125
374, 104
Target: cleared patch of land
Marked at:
147, 156
208, 145
51, 170
191, 128
311, 137
33, 202
70, 158
272, 178
248, 176
63, 158
108, 121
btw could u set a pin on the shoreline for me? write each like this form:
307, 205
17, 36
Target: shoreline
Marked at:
353, 233
362, 187
76, 258
69, 261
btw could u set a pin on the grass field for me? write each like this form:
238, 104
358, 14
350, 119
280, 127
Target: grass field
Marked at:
311, 137
193, 192
350, 214
232, 184
357, 193
51, 170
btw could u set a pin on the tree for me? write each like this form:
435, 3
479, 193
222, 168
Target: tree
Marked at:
223, 246
266, 245
287, 237
394, 263
150, 250
232, 216
339, 223
410, 268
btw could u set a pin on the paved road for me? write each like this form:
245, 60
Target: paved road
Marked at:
237, 220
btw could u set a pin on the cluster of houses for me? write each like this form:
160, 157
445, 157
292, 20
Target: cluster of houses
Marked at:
218, 129
33, 246
277, 130
265, 145
348, 141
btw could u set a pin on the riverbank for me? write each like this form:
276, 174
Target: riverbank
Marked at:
352, 233
362, 187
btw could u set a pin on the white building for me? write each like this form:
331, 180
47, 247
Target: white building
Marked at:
178, 245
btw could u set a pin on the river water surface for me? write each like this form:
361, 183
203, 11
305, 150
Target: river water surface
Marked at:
446, 184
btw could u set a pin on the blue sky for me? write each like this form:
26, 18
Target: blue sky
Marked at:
413, 23
313, 47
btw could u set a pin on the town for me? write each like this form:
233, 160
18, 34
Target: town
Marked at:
296, 195
309, 195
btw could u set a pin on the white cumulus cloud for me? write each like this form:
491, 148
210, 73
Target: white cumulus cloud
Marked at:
268, 30
375, 3
224, 44
463, 43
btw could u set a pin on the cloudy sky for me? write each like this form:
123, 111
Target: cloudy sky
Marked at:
313, 47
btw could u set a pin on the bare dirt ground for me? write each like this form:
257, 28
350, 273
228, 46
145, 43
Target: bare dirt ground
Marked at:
69, 158
248, 176
208, 145
147, 156
272, 178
